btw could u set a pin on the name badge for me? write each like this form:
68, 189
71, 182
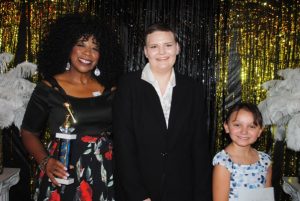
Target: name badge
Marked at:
259, 194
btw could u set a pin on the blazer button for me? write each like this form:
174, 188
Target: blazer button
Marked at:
164, 154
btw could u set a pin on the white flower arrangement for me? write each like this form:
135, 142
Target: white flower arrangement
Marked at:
15, 91
281, 108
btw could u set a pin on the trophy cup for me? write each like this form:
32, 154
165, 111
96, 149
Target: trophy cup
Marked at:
65, 138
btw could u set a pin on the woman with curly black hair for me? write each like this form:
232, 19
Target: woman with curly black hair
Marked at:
79, 62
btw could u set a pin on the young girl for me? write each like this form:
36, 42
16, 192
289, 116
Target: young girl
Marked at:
239, 165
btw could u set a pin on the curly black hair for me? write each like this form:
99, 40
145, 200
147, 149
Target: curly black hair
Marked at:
63, 34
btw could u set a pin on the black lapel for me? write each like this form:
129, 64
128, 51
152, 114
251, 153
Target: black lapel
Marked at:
177, 103
152, 99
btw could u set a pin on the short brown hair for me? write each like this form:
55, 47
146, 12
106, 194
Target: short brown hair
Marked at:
159, 27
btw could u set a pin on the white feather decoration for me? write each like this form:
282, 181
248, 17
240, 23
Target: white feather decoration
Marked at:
22, 70
293, 134
5, 59
282, 107
6, 114
280, 132
15, 91
289, 73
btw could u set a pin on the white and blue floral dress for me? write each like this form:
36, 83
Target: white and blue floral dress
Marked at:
244, 176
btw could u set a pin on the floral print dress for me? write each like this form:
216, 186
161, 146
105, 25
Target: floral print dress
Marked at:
91, 151
244, 176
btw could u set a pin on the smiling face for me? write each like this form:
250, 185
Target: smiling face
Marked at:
161, 50
85, 55
242, 128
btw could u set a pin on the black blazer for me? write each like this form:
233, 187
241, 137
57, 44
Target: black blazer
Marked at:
164, 164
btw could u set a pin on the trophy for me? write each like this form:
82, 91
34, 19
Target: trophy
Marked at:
65, 138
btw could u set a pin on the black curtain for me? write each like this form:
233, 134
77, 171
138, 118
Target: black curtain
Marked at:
194, 23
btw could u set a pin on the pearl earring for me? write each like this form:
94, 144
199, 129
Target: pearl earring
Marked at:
97, 71
68, 66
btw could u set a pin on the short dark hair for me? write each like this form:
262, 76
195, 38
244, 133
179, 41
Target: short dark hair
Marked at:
250, 107
159, 27
65, 32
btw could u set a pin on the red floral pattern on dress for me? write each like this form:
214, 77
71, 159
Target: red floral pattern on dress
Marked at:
108, 154
86, 191
89, 139
53, 147
55, 196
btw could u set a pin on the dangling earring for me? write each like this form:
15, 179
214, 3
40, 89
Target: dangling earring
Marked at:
97, 71
68, 66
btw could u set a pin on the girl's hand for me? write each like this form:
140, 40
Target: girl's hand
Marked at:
55, 168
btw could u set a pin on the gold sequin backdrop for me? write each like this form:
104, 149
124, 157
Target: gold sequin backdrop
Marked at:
38, 15
258, 38
253, 40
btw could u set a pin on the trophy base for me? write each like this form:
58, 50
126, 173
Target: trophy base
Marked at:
65, 181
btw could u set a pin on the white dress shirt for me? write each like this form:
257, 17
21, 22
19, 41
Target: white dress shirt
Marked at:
166, 99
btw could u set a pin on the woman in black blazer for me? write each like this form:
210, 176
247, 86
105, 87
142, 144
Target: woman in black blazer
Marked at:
161, 147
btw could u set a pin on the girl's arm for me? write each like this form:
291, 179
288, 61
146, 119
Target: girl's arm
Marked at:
269, 177
221, 183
